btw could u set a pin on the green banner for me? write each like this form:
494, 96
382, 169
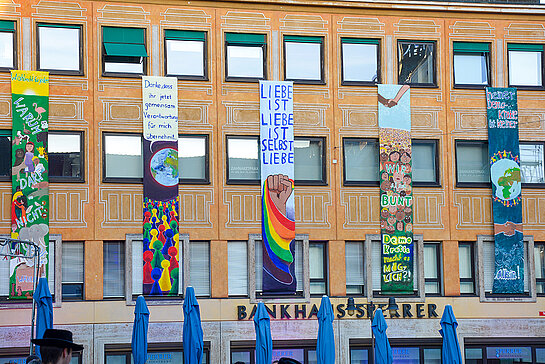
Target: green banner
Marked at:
30, 186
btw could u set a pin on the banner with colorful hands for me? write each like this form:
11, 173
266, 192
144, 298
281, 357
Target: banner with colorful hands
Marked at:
277, 182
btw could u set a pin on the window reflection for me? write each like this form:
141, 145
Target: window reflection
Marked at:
59, 48
243, 159
65, 159
303, 61
6, 49
416, 63
185, 57
123, 156
192, 163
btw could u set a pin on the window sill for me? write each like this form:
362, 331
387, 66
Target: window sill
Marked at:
310, 183
420, 85
63, 72
243, 182
123, 75
7, 69
122, 180
533, 185
526, 297
194, 182
306, 82
189, 78
66, 179
244, 79
361, 183
528, 88
470, 87
360, 83
426, 184
473, 185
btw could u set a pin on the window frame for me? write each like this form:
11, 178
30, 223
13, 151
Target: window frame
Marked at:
204, 77
433, 84
439, 279
209, 243
459, 184
363, 262
245, 44
163, 347
53, 71
230, 181
322, 80
106, 179
471, 280
82, 284
379, 68
522, 87
14, 34
7, 133
359, 183
534, 185
311, 182
80, 179
123, 74
325, 279
123, 266
540, 281
247, 262
472, 53
437, 182
197, 181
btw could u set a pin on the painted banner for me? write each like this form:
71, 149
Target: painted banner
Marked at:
503, 151
161, 201
277, 176
29, 176
396, 201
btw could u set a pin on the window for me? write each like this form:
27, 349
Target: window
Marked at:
472, 167
124, 51
525, 63
186, 52
114, 269
60, 48
199, 267
303, 59
243, 160
488, 251
65, 153
72, 270
416, 63
303, 352
355, 281
415, 354
237, 267
8, 59
5, 150
425, 164
432, 268
466, 260
309, 161
20, 356
246, 57
471, 64
539, 261
122, 157
531, 163
318, 268
504, 350
164, 353
193, 159
297, 251
360, 61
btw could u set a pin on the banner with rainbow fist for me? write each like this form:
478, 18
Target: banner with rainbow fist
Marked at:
161, 200
277, 176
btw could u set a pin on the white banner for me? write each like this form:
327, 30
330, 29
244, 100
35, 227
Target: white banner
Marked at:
160, 108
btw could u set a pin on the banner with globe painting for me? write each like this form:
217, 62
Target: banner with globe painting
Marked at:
505, 174
161, 201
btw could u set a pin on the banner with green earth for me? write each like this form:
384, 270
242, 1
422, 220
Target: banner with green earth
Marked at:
29, 176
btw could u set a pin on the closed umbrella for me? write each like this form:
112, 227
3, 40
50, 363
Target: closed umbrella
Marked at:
325, 347
383, 351
263, 339
44, 309
192, 335
140, 331
451, 348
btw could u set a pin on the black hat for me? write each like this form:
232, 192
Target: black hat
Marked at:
288, 361
58, 339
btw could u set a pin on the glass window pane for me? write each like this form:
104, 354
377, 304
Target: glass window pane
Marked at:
308, 159
258, 265
416, 63
192, 157
525, 68
361, 160
6, 49
114, 269
123, 156
59, 48
244, 61
474, 353
243, 159
430, 261
406, 355
5, 150
470, 69
185, 57
72, 270
431, 288
520, 354
359, 356
237, 268
303, 61
240, 356
531, 163
299, 265
114, 64
539, 260
472, 163
64, 151
540, 355
354, 267
432, 356
116, 359
199, 267
467, 287
464, 255
360, 62
316, 260
423, 162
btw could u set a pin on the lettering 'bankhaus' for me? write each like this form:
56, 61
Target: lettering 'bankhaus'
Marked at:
275, 152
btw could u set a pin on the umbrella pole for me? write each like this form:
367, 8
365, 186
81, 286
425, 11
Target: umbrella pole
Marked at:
36, 272
372, 346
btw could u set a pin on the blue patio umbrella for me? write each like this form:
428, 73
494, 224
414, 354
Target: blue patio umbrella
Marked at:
192, 335
383, 351
44, 310
263, 339
451, 348
325, 347
140, 331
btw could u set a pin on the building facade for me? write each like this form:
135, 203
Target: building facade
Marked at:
335, 52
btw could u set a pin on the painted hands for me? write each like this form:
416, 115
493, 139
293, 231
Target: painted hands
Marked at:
280, 188
508, 228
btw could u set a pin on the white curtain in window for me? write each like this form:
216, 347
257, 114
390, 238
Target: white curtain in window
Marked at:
489, 265
354, 264
199, 266
430, 261
114, 269
72, 262
237, 265
464, 259
423, 162
137, 260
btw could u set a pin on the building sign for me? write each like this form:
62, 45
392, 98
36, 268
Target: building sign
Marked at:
307, 311
396, 200
503, 151
161, 200
29, 176
523, 354
277, 175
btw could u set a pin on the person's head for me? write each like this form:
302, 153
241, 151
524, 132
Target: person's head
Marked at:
56, 346
29, 147
288, 361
